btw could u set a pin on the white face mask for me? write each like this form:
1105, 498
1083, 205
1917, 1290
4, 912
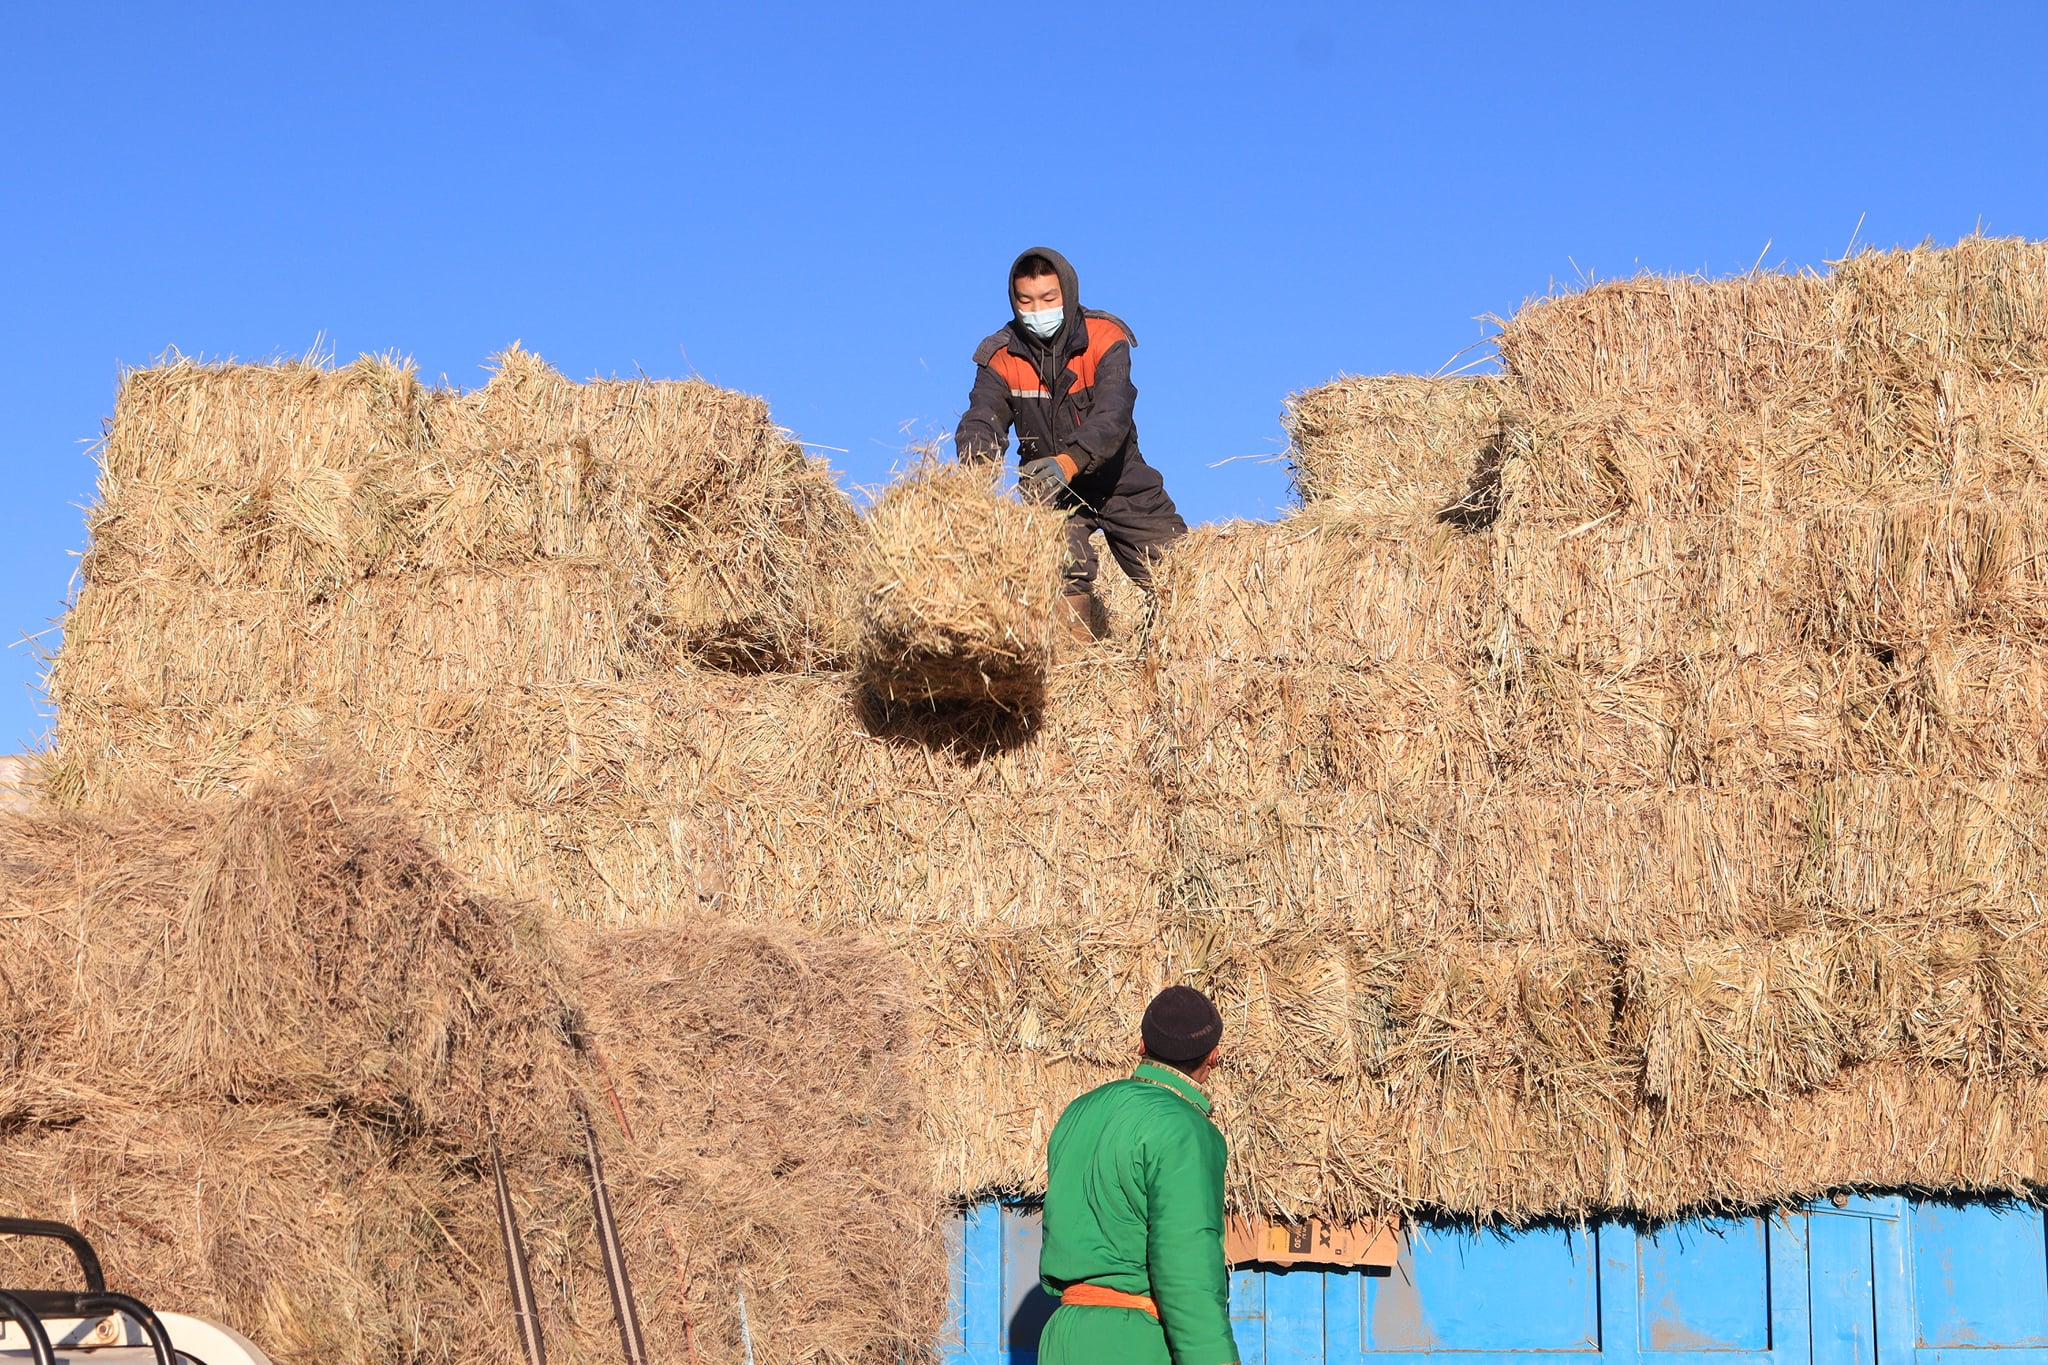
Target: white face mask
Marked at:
1044, 323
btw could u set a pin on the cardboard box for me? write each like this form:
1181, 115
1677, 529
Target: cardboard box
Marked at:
1311, 1241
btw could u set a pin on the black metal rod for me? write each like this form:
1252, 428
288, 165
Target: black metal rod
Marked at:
525, 1312
152, 1327
39, 1350
88, 1260
624, 1309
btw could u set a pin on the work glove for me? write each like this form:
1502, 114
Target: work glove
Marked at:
1044, 480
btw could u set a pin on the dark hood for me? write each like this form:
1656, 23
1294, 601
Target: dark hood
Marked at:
1073, 333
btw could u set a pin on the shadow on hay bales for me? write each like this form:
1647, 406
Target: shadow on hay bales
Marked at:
968, 731
1478, 506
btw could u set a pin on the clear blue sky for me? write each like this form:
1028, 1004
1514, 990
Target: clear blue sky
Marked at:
816, 202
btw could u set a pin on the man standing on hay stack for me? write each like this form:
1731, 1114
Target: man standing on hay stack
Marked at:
1134, 1207
1061, 375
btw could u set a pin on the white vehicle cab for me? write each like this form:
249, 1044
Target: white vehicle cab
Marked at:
90, 1326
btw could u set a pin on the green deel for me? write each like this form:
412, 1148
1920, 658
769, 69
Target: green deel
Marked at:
1134, 1202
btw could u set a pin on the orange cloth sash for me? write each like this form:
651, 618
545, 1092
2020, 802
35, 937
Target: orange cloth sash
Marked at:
1102, 1296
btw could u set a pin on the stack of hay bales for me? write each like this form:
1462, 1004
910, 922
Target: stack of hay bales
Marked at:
1652, 834
254, 1051
287, 557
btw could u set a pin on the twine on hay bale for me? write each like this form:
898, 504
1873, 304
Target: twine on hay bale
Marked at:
962, 590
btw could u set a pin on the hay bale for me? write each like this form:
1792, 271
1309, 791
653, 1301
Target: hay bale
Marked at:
248, 1048
1981, 304
320, 962
962, 591
1656, 342
281, 551
302, 480
1386, 443
1326, 584
773, 1084
1945, 350
744, 535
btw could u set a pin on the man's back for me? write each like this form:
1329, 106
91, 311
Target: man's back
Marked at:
1134, 1204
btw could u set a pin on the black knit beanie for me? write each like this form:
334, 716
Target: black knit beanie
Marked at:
1181, 1025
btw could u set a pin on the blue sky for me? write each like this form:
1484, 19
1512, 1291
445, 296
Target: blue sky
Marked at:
816, 202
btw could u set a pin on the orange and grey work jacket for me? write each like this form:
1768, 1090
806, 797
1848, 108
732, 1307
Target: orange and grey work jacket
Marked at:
1071, 395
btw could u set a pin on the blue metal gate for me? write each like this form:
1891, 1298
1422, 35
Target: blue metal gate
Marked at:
1860, 1283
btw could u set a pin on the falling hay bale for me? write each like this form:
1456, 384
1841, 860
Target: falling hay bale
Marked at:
962, 591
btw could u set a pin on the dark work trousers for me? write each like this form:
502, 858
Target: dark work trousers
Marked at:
1129, 504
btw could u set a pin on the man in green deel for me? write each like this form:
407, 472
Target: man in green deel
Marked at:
1134, 1207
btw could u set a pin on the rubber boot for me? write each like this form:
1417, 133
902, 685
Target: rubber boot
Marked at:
1081, 617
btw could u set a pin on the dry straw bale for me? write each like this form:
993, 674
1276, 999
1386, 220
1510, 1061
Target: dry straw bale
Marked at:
1734, 346
1981, 305
291, 476
1675, 394
1039, 914
1384, 443
1369, 1071
1414, 1067
319, 961
188, 422
771, 1082
248, 1049
1357, 936
961, 590
280, 548
740, 529
251, 1047
749, 794
1321, 585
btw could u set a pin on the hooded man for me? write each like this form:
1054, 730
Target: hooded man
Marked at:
1133, 1244
1061, 375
